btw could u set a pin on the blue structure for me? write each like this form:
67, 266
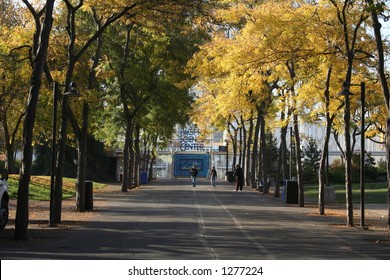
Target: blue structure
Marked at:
184, 161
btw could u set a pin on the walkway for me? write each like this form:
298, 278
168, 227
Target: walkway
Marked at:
169, 219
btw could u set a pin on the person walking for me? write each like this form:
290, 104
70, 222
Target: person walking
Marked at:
239, 174
193, 173
213, 176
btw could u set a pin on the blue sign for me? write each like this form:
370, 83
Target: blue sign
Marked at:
183, 162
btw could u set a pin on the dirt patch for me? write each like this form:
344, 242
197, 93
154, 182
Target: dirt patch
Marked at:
70, 217
373, 220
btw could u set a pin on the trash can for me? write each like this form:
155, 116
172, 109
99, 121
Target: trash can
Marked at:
88, 195
144, 177
290, 192
230, 176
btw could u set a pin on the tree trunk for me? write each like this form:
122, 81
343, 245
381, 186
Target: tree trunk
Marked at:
82, 161
233, 140
126, 158
21, 219
9, 146
298, 161
244, 147
388, 171
131, 156
281, 171
152, 157
248, 153
264, 168
325, 150
137, 155
57, 198
9, 140
254, 151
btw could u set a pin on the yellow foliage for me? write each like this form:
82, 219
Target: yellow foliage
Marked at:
289, 43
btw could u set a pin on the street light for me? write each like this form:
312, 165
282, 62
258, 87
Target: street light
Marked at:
348, 156
345, 92
71, 93
227, 160
291, 152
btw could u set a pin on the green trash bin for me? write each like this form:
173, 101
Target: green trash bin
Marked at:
290, 192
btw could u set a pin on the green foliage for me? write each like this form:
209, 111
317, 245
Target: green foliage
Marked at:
372, 173
98, 167
374, 192
272, 154
337, 172
311, 161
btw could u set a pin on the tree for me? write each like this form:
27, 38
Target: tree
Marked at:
15, 69
375, 10
40, 46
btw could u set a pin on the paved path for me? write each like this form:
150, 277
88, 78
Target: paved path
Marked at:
171, 220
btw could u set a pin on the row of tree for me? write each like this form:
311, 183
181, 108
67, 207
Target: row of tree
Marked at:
128, 59
268, 64
273, 64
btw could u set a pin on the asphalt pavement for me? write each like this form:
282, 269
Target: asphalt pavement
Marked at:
171, 220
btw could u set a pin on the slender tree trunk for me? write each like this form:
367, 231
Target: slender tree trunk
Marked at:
281, 171
388, 171
9, 146
248, 153
9, 140
240, 141
82, 161
57, 198
254, 151
145, 156
264, 168
298, 161
244, 146
137, 155
21, 219
131, 157
152, 157
324, 155
233, 140
126, 158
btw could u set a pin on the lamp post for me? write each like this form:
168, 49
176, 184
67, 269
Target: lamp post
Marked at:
227, 160
345, 92
71, 93
291, 152
362, 152
348, 155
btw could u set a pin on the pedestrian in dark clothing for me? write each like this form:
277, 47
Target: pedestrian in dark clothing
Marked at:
239, 174
193, 173
213, 176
